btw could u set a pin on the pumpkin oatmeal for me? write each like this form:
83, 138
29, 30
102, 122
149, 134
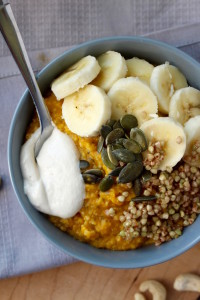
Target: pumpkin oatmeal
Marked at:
140, 169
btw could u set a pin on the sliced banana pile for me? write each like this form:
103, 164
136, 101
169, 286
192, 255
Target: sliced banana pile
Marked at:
96, 89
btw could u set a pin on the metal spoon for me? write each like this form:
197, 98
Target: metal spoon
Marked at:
15, 43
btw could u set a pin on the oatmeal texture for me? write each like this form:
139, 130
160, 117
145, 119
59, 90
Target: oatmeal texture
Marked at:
108, 219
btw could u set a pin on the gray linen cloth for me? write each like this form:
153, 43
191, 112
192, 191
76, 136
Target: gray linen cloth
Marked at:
48, 28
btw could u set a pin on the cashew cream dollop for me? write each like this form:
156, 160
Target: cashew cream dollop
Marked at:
53, 182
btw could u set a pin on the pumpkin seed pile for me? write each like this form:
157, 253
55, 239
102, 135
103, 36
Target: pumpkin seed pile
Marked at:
121, 143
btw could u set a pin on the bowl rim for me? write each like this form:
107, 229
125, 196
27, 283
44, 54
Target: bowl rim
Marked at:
149, 41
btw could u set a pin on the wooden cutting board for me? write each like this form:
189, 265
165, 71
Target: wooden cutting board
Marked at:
81, 281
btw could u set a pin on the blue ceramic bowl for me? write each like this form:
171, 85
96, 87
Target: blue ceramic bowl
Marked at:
153, 51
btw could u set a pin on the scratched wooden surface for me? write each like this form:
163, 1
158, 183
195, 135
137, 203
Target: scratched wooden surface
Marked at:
81, 281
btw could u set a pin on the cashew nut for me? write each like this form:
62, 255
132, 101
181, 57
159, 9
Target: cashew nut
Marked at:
187, 282
157, 290
139, 296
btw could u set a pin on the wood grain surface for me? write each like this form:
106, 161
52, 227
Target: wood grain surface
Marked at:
81, 281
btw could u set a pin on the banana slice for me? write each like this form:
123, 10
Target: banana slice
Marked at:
131, 96
185, 104
139, 68
76, 77
165, 80
113, 67
171, 138
192, 153
86, 110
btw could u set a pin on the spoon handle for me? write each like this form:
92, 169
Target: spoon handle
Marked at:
15, 43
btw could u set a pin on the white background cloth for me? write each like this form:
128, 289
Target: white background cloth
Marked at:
48, 28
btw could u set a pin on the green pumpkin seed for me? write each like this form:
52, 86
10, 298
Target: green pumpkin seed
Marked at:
116, 172
128, 122
114, 135
106, 183
124, 155
90, 178
100, 144
83, 164
146, 176
117, 146
137, 187
130, 172
111, 122
105, 130
139, 157
144, 198
137, 135
132, 146
106, 160
111, 156
96, 172
117, 125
